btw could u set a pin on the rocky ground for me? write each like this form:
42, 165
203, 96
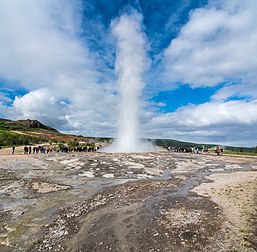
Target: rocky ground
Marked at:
127, 202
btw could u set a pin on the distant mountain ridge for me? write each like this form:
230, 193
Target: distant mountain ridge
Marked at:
26, 125
176, 143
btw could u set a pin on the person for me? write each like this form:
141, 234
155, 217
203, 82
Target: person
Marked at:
13, 149
218, 152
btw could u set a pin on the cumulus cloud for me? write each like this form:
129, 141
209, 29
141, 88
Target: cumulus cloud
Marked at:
229, 122
217, 45
40, 104
40, 45
212, 114
215, 48
41, 50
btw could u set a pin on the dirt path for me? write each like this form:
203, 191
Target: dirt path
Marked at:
127, 202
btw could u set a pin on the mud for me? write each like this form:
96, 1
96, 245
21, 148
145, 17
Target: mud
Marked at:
127, 202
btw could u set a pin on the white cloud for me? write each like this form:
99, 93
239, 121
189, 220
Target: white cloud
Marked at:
4, 98
224, 122
218, 44
40, 45
40, 104
41, 50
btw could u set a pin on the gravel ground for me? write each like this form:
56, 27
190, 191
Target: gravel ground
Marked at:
127, 202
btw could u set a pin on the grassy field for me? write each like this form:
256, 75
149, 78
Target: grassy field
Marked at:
9, 138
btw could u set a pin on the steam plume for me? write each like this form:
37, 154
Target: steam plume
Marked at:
131, 62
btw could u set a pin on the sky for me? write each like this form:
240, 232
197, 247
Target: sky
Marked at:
58, 64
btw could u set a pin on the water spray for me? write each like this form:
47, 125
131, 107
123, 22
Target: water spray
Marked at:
131, 62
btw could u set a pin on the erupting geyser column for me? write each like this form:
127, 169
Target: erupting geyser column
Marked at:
131, 62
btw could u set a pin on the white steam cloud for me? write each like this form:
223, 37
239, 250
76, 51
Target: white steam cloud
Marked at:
131, 62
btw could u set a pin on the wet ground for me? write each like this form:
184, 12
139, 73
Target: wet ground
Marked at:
127, 202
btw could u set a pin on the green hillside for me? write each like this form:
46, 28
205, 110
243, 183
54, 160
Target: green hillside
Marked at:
24, 132
24, 125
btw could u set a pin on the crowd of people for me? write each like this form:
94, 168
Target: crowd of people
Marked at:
197, 150
28, 149
189, 149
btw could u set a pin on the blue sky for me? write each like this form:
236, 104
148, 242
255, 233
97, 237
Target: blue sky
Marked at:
58, 65
183, 96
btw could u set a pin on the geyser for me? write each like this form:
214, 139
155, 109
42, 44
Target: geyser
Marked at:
131, 62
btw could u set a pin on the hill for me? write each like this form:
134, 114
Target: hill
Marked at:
176, 143
24, 132
25, 125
